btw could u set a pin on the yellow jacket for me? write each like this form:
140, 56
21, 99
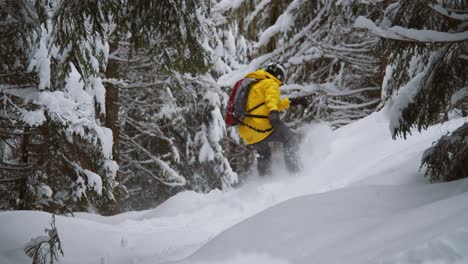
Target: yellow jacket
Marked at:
267, 90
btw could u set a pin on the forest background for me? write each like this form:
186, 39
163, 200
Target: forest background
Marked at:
111, 106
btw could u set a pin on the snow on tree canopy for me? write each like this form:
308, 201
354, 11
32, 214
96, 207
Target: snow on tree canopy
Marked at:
33, 118
405, 95
282, 25
459, 96
409, 34
225, 5
40, 60
94, 181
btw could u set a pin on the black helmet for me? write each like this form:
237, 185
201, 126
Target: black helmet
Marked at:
278, 70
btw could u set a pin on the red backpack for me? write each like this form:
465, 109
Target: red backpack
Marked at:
236, 108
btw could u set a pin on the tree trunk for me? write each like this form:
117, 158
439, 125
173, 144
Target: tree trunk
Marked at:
112, 103
112, 113
23, 182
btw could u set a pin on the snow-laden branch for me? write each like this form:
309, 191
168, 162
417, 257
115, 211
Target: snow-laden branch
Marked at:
325, 89
169, 176
354, 56
448, 13
459, 96
117, 82
259, 8
355, 91
284, 24
228, 5
409, 34
346, 106
407, 93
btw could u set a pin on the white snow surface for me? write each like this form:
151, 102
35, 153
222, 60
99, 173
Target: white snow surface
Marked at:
361, 199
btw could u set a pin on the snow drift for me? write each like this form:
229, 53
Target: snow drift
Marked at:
361, 198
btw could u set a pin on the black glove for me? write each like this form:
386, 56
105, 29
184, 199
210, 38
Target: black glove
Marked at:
274, 119
299, 101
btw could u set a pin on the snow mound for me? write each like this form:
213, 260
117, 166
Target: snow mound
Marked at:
363, 224
361, 197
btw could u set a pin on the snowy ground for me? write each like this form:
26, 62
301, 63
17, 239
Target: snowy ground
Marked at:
361, 199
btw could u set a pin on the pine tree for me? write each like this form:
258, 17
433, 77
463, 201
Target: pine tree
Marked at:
171, 120
56, 153
328, 61
446, 160
426, 76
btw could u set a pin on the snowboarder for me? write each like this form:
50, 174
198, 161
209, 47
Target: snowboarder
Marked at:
263, 125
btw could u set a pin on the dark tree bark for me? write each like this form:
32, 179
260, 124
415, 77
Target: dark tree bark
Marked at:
23, 182
112, 113
112, 103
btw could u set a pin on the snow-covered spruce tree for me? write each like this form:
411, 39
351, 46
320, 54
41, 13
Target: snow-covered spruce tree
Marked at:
446, 160
426, 78
328, 61
334, 63
171, 120
56, 155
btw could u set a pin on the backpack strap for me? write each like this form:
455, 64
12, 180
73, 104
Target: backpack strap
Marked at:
255, 107
256, 129
256, 116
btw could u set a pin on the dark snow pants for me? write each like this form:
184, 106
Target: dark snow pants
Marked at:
284, 135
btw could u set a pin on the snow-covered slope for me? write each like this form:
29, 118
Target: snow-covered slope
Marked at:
365, 224
361, 199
